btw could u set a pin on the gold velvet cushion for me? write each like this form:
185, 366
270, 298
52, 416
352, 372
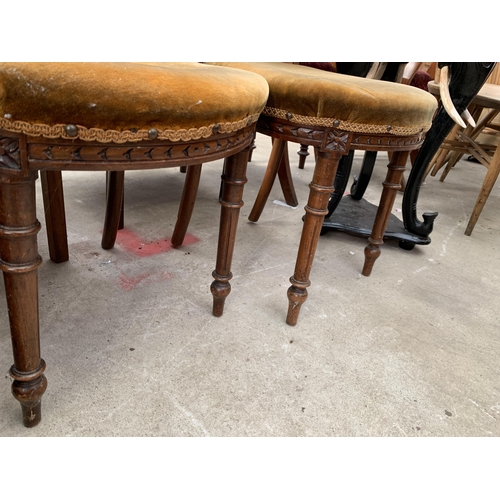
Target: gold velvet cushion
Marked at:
119, 102
309, 96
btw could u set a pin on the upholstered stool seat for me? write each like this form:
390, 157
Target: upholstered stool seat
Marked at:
109, 117
336, 113
307, 96
127, 102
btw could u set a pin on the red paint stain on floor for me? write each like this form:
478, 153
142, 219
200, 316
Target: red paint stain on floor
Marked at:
132, 243
130, 282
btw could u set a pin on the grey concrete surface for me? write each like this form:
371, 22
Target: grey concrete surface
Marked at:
133, 350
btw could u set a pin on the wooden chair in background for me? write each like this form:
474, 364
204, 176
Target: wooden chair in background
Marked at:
480, 140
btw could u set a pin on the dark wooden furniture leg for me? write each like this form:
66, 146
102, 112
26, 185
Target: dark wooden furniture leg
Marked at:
121, 224
362, 180
55, 216
317, 207
114, 204
277, 150
231, 200
186, 206
340, 183
303, 154
391, 185
251, 151
285, 178
19, 263
279, 164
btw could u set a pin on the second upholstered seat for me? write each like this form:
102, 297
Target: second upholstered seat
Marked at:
336, 113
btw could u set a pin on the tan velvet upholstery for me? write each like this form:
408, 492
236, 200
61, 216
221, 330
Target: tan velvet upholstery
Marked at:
127, 100
309, 96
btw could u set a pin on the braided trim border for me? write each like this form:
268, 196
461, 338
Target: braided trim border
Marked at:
362, 128
119, 137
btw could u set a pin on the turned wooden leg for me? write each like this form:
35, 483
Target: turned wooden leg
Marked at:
187, 204
317, 207
303, 154
114, 201
19, 261
55, 216
391, 185
231, 200
488, 183
268, 181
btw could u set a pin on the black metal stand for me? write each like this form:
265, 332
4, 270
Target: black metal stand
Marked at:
356, 217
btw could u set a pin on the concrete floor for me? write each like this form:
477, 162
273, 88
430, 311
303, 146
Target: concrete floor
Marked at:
133, 350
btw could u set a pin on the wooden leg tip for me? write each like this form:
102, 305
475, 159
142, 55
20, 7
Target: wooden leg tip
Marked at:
219, 291
32, 415
296, 297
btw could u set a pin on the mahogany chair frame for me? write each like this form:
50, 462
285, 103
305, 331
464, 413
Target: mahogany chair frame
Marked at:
332, 144
22, 157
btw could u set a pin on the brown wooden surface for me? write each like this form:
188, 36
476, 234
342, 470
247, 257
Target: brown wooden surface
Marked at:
55, 216
20, 159
231, 200
330, 144
186, 207
320, 189
19, 263
391, 186
114, 205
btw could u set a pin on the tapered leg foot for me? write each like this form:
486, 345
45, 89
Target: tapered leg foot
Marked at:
296, 297
372, 253
28, 389
220, 289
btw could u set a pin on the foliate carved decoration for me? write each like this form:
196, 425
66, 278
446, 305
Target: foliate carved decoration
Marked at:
297, 133
328, 139
305, 133
9, 153
336, 140
158, 151
387, 141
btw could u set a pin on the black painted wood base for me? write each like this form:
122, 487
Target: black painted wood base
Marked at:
357, 217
